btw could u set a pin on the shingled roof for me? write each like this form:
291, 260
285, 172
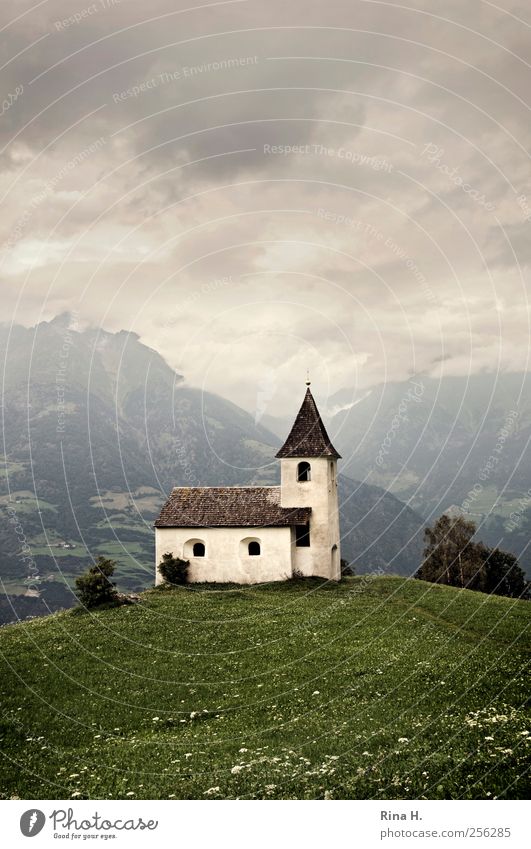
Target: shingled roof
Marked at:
229, 507
308, 436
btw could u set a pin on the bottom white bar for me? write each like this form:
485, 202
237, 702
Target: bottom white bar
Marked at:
236, 824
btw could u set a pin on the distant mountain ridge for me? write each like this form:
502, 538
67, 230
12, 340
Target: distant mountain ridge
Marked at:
459, 442
97, 428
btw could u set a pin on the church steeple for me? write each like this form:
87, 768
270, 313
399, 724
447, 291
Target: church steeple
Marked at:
308, 436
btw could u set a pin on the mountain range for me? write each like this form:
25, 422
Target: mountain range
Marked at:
460, 444
455, 444
97, 428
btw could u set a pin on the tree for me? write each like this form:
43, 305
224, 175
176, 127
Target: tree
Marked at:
174, 570
504, 575
450, 555
95, 587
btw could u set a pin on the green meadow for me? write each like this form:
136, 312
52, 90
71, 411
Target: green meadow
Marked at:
377, 688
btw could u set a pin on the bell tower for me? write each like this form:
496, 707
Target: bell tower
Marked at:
308, 477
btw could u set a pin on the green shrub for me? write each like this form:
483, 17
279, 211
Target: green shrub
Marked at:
95, 587
347, 568
174, 570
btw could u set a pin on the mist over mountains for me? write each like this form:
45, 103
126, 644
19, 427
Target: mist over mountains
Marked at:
458, 443
97, 428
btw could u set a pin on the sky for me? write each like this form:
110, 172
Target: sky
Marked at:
258, 189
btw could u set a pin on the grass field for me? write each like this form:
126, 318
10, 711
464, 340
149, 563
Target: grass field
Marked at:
384, 688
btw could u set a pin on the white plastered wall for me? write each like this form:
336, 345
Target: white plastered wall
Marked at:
226, 557
319, 493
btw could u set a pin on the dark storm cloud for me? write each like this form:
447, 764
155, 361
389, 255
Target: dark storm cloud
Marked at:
343, 184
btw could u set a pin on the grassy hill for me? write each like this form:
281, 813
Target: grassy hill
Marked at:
376, 688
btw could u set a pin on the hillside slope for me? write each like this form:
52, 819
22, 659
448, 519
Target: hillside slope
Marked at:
383, 688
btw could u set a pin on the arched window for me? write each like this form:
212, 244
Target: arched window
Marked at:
194, 548
304, 472
250, 547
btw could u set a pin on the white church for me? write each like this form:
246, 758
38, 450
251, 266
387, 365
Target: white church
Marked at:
257, 534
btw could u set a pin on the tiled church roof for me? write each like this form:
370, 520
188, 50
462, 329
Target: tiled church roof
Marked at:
227, 507
308, 436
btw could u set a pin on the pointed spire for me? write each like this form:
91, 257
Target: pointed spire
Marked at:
308, 436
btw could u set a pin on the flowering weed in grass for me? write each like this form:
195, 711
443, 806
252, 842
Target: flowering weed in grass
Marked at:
388, 689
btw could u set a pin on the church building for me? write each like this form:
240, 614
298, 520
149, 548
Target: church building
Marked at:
257, 534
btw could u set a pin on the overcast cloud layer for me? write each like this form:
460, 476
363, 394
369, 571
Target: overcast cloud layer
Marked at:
257, 188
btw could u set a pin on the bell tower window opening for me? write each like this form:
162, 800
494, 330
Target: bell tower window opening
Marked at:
304, 472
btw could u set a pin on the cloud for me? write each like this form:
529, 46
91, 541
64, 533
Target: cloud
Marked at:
257, 188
